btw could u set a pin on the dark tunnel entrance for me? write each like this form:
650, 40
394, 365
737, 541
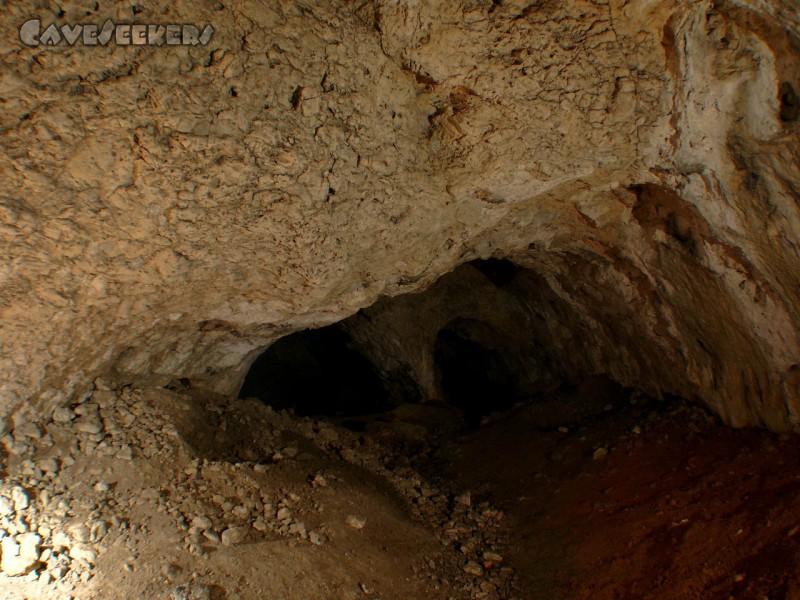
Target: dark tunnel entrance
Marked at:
316, 372
473, 376
483, 339
470, 341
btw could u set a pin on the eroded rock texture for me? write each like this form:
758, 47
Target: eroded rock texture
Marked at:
168, 212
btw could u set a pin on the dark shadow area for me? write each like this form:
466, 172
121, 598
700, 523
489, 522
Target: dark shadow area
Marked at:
499, 271
316, 372
473, 376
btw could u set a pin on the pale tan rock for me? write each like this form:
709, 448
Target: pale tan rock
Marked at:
20, 553
233, 536
355, 522
643, 169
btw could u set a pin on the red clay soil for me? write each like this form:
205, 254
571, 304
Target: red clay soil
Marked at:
682, 507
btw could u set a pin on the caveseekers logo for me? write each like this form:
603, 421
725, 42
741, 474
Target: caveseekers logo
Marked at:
122, 34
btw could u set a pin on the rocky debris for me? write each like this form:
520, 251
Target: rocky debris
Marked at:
470, 529
57, 533
191, 591
47, 531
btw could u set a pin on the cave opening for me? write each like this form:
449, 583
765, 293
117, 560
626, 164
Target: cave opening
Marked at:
479, 341
316, 372
473, 376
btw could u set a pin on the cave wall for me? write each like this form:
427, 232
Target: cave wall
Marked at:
169, 212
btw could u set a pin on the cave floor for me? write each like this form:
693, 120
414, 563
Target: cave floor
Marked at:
583, 494
644, 500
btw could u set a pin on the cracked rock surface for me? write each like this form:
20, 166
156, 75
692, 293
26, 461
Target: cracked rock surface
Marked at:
169, 212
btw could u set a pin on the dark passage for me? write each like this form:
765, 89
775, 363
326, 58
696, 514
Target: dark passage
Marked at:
474, 377
316, 372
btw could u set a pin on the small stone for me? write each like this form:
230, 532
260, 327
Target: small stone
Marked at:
99, 530
80, 533
125, 453
284, 514
600, 453
20, 498
101, 487
191, 591
316, 538
171, 570
260, 525
20, 554
473, 568
19, 449
105, 398
233, 536
636, 429
6, 507
83, 553
355, 522
49, 465
212, 536
202, 522
61, 542
240, 512
58, 572
563, 429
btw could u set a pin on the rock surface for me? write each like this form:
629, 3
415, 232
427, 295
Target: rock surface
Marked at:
169, 212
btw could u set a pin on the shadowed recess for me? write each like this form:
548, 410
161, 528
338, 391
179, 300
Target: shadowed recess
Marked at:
316, 372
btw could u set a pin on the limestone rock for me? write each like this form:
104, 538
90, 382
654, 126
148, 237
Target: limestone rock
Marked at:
20, 554
355, 522
642, 170
20, 498
192, 591
202, 522
233, 536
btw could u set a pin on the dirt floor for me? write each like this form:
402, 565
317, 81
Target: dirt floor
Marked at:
638, 499
591, 493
